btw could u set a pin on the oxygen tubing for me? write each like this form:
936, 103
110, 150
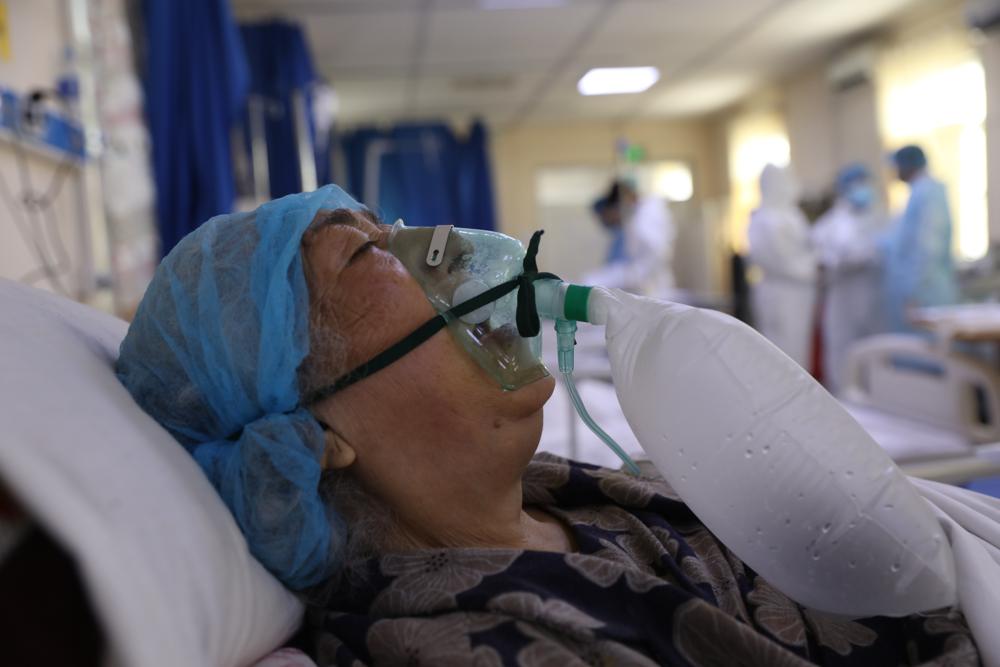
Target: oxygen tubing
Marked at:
565, 330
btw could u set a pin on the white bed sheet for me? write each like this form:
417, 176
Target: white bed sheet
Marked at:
907, 441
972, 523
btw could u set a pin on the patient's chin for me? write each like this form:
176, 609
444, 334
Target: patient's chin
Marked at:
548, 386
531, 398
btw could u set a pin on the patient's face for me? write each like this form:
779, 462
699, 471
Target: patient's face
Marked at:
404, 419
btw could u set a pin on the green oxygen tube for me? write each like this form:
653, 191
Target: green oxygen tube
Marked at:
567, 304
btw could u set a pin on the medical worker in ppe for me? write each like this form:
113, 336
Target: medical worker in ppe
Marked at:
845, 239
919, 269
641, 252
609, 215
785, 297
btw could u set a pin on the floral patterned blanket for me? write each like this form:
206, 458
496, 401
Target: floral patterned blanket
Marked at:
649, 585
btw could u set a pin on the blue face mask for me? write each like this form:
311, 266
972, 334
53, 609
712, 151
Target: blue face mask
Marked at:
860, 196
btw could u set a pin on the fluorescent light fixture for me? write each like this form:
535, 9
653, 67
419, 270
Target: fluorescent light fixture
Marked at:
520, 4
617, 80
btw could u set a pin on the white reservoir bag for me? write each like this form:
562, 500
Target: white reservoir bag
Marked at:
771, 463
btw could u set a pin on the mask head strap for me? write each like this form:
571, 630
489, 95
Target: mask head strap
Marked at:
528, 324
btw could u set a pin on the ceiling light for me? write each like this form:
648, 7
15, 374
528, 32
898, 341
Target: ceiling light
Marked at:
520, 4
617, 80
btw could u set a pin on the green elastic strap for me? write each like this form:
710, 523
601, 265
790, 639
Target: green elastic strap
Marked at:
575, 307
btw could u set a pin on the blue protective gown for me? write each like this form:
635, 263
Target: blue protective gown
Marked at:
616, 249
920, 270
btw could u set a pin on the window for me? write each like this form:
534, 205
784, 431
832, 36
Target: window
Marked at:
755, 140
935, 96
666, 179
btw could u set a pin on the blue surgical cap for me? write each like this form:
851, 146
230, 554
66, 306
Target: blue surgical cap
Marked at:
910, 158
212, 355
850, 175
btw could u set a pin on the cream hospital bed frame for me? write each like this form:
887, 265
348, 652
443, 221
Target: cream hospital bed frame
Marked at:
936, 412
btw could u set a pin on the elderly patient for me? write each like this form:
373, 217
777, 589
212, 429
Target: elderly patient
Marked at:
407, 503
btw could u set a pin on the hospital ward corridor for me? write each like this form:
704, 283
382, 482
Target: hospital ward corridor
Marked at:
514, 333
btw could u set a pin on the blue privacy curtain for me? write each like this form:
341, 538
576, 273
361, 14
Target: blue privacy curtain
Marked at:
280, 64
422, 173
195, 80
475, 180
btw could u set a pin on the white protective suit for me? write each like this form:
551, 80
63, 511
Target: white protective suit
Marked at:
649, 250
785, 298
846, 246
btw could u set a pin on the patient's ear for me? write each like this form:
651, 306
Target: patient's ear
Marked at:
337, 453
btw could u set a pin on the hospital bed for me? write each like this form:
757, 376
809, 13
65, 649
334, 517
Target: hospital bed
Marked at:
934, 410
167, 570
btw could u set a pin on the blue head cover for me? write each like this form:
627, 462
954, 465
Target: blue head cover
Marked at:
851, 175
910, 158
212, 355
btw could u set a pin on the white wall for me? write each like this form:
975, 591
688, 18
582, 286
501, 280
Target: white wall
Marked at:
855, 130
37, 35
830, 125
810, 121
37, 40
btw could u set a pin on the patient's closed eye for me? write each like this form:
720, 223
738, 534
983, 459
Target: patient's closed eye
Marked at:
360, 251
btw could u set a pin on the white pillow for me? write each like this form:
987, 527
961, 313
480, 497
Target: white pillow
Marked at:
167, 569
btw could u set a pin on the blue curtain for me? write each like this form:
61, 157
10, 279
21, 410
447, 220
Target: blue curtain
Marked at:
195, 80
475, 180
423, 174
357, 146
280, 64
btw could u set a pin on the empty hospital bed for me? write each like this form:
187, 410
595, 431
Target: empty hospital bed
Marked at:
936, 411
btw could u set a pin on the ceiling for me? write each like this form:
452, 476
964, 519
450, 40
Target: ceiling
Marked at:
392, 59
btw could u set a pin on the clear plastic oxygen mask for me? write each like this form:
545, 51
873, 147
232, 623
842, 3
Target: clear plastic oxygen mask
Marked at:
456, 266
481, 285
489, 294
